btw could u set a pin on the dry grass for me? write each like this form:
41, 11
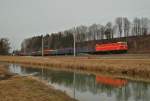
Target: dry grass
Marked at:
126, 65
4, 74
27, 89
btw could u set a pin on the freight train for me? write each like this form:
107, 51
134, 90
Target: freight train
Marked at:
117, 47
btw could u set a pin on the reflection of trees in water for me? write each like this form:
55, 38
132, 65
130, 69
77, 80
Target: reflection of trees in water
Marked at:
133, 90
29, 70
85, 83
124, 93
59, 77
141, 91
138, 91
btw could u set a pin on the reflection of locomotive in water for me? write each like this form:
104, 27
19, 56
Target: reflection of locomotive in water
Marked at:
111, 81
118, 47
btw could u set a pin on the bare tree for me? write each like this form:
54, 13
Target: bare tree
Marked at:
102, 32
123, 25
4, 46
93, 31
145, 26
109, 30
119, 24
136, 27
126, 27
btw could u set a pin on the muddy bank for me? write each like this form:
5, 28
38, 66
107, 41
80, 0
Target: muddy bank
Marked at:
16, 88
124, 66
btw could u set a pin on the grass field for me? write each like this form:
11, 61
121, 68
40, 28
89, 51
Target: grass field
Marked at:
132, 65
16, 88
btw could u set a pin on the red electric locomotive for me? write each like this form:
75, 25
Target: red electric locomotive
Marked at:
112, 47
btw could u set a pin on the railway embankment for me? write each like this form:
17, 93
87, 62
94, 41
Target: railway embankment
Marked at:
17, 88
126, 65
136, 44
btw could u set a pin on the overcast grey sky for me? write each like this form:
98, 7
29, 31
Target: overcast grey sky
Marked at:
20, 19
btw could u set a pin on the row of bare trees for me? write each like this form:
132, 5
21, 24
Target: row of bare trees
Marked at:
122, 27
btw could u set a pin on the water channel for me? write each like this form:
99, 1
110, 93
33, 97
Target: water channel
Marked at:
89, 87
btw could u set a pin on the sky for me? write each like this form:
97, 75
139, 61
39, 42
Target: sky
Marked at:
20, 19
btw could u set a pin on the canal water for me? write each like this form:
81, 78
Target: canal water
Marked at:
89, 87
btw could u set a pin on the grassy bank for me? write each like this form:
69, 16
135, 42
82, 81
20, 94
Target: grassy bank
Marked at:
15, 88
124, 65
